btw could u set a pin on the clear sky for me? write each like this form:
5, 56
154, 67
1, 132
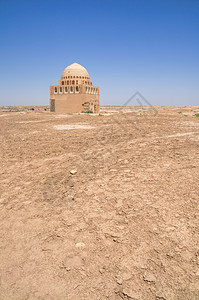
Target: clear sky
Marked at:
150, 46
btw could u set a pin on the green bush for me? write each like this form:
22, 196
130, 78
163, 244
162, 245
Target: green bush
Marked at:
88, 112
197, 115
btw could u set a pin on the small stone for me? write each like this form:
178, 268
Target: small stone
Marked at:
148, 276
131, 294
118, 279
80, 245
171, 228
101, 270
73, 172
75, 286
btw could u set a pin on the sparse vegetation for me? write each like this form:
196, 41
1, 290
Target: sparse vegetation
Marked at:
197, 115
87, 112
24, 108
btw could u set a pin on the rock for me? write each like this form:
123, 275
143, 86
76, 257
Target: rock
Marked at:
75, 286
80, 245
148, 276
171, 228
101, 270
118, 279
131, 294
73, 172
66, 268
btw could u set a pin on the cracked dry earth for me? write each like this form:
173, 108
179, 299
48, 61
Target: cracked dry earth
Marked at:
124, 226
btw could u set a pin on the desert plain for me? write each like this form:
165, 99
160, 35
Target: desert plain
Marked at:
96, 207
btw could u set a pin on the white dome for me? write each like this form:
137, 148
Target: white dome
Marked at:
75, 70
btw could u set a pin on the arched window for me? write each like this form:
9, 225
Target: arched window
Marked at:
55, 91
65, 90
71, 89
73, 82
94, 91
67, 82
86, 90
62, 83
89, 90
76, 81
76, 89
60, 90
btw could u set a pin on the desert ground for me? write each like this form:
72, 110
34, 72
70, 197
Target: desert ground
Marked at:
96, 207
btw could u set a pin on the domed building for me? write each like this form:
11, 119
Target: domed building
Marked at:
75, 92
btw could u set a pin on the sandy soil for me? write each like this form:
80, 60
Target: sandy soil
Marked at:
124, 226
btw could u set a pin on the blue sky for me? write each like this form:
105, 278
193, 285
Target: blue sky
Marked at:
127, 46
